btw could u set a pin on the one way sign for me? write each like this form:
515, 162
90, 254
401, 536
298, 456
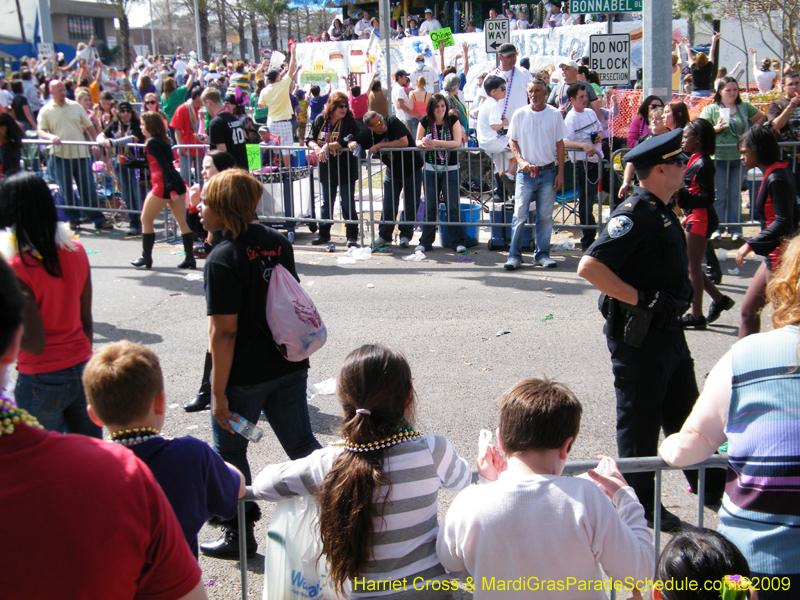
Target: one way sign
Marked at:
497, 33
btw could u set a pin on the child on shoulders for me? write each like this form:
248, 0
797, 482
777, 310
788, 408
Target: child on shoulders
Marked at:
125, 391
533, 526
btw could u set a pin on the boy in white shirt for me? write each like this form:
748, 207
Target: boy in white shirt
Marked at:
492, 131
535, 528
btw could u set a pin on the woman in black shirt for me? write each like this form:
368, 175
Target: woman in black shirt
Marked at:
440, 174
10, 146
332, 133
702, 69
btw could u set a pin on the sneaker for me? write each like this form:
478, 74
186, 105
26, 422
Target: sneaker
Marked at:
133, 231
716, 235
380, 242
546, 261
736, 237
404, 242
669, 522
717, 308
352, 243
461, 248
512, 264
421, 248
690, 322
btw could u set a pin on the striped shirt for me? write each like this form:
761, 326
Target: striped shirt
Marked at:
406, 533
761, 508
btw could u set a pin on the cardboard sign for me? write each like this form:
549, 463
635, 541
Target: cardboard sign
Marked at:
442, 38
253, 157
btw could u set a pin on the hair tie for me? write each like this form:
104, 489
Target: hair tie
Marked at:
363, 411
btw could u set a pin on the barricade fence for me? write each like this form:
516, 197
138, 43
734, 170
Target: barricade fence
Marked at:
395, 189
652, 464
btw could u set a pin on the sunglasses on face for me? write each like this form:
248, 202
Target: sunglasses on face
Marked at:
340, 106
149, 102
677, 162
124, 110
502, 88
652, 106
377, 123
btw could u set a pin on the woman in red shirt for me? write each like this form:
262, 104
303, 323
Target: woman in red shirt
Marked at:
53, 271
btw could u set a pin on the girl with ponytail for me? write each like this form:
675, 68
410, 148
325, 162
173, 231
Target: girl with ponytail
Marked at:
377, 488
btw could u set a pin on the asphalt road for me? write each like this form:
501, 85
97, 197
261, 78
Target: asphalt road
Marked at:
468, 328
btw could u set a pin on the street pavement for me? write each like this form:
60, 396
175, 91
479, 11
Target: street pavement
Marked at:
468, 328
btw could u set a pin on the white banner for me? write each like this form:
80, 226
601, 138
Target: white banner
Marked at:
544, 47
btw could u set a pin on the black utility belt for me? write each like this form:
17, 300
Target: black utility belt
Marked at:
633, 323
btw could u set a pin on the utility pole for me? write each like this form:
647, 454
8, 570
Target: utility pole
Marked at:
657, 37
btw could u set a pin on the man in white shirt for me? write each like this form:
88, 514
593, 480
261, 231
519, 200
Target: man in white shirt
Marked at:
180, 68
362, 29
516, 80
402, 105
429, 73
492, 131
584, 134
537, 140
558, 97
429, 24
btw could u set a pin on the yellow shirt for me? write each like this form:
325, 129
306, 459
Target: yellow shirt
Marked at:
275, 97
68, 123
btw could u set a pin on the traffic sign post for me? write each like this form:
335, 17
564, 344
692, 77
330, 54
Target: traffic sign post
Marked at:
610, 57
497, 32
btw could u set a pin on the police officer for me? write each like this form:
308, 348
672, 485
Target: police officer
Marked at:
639, 263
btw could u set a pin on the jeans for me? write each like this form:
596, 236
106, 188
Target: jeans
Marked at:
133, 192
411, 186
64, 170
283, 401
728, 183
57, 399
186, 163
442, 187
542, 191
702, 93
586, 175
346, 188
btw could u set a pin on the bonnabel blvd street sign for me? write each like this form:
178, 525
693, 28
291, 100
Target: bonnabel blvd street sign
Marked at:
604, 6
497, 33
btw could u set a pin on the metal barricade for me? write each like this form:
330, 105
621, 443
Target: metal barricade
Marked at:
571, 469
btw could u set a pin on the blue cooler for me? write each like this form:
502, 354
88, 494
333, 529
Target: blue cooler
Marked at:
297, 158
501, 233
470, 213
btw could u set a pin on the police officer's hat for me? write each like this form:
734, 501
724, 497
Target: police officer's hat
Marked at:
658, 150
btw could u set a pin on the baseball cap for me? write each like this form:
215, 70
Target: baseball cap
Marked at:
569, 63
428, 10
420, 58
507, 50
272, 75
263, 128
400, 73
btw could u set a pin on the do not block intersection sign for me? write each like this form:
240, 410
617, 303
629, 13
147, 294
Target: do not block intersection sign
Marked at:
610, 56
497, 33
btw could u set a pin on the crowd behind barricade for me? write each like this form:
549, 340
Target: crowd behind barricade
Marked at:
646, 261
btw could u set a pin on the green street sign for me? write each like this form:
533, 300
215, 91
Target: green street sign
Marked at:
604, 6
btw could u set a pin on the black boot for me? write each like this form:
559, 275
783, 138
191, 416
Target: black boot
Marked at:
227, 546
323, 237
713, 268
188, 252
203, 398
146, 260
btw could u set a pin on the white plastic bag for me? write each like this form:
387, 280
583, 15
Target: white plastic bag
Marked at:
293, 565
296, 326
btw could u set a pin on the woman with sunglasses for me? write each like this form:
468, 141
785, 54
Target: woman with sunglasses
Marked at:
125, 129
440, 130
729, 168
332, 133
151, 104
638, 126
168, 189
776, 208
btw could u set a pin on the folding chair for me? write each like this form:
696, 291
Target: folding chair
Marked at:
567, 198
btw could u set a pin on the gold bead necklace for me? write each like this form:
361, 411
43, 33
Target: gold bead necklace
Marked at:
12, 415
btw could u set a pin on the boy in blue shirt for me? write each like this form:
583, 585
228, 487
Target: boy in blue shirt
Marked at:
125, 391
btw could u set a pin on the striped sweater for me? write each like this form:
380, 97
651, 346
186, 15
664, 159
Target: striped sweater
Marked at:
761, 507
406, 534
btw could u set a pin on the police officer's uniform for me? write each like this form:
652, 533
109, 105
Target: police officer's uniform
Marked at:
645, 246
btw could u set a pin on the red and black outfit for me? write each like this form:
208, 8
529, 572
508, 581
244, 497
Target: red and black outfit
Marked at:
166, 180
697, 198
776, 210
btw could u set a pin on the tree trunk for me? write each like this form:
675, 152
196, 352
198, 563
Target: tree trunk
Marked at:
690, 29
273, 35
223, 29
240, 31
206, 53
254, 35
125, 34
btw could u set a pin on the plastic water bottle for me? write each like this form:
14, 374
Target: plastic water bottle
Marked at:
245, 428
357, 151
